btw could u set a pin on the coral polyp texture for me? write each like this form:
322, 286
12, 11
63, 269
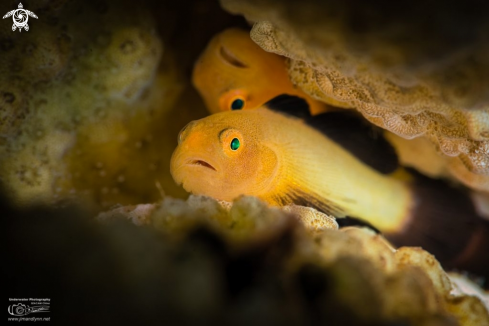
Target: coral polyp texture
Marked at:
348, 276
82, 94
393, 66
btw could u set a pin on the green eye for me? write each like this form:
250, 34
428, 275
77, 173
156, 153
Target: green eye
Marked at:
237, 104
235, 144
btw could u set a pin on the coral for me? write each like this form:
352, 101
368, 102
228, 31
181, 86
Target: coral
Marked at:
80, 100
352, 269
392, 66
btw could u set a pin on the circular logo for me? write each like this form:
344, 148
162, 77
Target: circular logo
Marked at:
20, 18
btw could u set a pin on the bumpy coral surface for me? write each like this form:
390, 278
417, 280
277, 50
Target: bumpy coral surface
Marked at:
352, 269
82, 94
410, 75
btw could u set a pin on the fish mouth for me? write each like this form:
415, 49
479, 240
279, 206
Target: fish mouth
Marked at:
201, 163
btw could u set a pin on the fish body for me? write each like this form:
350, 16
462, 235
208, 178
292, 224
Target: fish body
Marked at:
283, 160
234, 68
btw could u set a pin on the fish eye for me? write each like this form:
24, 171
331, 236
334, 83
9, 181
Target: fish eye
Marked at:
235, 144
237, 104
232, 141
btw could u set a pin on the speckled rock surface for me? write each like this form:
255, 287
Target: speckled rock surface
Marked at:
379, 284
83, 93
414, 76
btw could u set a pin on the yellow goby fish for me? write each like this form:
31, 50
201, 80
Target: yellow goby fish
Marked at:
234, 73
283, 155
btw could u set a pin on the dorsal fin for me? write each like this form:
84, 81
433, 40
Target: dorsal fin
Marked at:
290, 105
361, 139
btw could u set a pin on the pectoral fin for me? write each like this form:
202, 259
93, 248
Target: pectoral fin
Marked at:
309, 199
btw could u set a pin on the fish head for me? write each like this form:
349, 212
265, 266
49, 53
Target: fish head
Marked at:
224, 156
234, 73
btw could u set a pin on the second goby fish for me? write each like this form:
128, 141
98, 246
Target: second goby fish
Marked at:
234, 73
334, 163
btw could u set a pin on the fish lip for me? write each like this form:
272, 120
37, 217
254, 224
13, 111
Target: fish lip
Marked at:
200, 162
